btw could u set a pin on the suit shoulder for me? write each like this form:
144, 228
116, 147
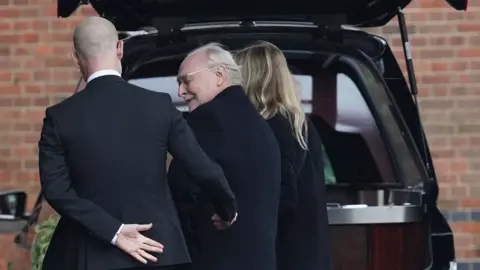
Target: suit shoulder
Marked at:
155, 102
204, 118
65, 103
149, 93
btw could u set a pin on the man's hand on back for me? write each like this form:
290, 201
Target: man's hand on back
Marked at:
221, 224
131, 241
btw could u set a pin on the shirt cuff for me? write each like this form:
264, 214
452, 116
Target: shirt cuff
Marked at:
114, 240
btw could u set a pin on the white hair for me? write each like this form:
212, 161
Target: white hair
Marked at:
217, 55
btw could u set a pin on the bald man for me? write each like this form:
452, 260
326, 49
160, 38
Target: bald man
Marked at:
102, 167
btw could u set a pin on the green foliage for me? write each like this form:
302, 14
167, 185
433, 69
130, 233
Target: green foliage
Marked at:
327, 169
43, 235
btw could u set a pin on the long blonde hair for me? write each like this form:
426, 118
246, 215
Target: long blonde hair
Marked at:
271, 86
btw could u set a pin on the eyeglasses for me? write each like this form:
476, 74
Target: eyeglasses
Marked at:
185, 78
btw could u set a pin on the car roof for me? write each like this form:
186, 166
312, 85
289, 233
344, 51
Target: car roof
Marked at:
131, 15
151, 39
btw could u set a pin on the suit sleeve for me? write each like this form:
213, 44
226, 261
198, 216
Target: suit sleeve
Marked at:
207, 174
289, 155
58, 191
184, 194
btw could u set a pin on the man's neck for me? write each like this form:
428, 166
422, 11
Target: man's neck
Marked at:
95, 69
103, 72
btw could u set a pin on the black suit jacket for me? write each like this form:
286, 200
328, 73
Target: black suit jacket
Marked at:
102, 159
232, 132
303, 241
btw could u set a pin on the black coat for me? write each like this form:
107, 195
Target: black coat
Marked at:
303, 242
102, 163
232, 133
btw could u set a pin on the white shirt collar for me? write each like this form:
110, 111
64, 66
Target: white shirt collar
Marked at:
103, 73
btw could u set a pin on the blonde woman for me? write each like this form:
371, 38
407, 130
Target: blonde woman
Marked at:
302, 238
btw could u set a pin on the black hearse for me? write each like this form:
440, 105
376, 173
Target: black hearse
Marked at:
382, 188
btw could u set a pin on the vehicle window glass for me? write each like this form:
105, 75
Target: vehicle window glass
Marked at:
356, 149
168, 84
349, 132
347, 98
411, 168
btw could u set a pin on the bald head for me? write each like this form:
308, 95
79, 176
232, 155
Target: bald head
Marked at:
95, 38
96, 46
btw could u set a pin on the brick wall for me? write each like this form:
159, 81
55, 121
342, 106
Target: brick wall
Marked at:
446, 51
35, 71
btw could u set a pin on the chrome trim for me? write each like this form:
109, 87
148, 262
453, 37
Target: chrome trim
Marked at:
8, 226
130, 34
284, 24
7, 217
350, 27
224, 24
234, 24
211, 25
374, 215
382, 40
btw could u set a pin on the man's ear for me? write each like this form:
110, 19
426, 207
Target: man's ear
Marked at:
222, 76
75, 59
119, 50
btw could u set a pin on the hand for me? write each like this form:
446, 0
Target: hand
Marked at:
221, 224
131, 241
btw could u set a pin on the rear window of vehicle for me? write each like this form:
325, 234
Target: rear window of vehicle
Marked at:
168, 84
346, 118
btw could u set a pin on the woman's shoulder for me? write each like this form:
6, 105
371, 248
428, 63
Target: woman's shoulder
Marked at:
282, 130
279, 122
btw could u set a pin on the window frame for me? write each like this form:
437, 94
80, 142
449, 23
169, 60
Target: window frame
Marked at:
376, 80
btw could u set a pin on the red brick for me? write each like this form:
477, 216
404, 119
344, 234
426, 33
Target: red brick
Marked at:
5, 76
20, 2
439, 66
43, 50
417, 16
466, 227
432, 4
468, 27
456, 40
9, 13
10, 89
458, 65
22, 51
470, 52
29, 38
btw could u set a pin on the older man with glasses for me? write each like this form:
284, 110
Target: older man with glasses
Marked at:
233, 134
